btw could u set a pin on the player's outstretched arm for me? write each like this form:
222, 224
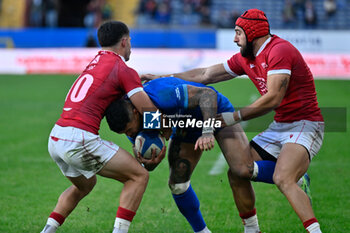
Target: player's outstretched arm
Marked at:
211, 74
277, 85
149, 77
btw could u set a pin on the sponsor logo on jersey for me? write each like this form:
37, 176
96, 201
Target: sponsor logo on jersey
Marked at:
178, 95
262, 85
264, 65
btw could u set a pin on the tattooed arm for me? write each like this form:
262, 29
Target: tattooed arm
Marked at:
277, 85
206, 99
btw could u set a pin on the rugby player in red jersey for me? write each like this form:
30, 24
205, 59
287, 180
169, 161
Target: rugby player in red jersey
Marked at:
74, 142
284, 151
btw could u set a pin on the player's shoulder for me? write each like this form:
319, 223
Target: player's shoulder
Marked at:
237, 60
109, 58
237, 56
122, 70
103, 62
112, 66
278, 43
279, 47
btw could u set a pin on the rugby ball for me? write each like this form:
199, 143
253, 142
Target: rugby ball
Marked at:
145, 141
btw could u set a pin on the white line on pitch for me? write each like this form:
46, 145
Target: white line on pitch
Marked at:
219, 165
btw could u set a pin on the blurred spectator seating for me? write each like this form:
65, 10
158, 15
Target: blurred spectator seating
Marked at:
227, 19
330, 7
282, 14
66, 13
289, 14
174, 13
310, 15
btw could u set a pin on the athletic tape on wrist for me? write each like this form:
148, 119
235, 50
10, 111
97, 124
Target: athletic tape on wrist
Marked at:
239, 115
207, 130
229, 119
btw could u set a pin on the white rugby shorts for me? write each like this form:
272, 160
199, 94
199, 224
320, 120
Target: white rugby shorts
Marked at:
306, 133
79, 152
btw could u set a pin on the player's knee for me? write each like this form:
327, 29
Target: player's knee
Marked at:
182, 168
233, 178
281, 181
179, 188
180, 171
139, 177
87, 187
180, 174
142, 177
239, 172
244, 173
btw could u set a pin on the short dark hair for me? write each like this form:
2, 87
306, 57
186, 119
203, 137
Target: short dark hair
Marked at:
118, 114
110, 33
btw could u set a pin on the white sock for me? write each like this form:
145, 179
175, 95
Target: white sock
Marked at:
52, 222
205, 230
314, 228
121, 225
251, 225
51, 226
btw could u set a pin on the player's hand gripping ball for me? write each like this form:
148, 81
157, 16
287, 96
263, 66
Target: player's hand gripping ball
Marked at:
146, 141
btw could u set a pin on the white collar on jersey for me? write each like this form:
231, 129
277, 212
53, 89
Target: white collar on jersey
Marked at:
115, 53
121, 57
263, 46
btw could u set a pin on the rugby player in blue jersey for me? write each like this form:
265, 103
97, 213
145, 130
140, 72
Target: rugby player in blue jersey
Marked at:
176, 97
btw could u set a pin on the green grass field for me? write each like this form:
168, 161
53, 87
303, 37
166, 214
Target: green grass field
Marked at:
30, 182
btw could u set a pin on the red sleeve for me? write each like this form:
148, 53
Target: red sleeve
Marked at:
235, 64
129, 79
280, 58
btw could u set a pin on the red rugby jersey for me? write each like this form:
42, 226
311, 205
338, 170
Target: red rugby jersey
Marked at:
278, 56
106, 78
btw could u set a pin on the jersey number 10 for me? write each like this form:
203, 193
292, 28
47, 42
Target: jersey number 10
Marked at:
80, 88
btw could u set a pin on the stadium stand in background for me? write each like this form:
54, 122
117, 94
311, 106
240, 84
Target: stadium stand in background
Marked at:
291, 14
222, 13
193, 31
